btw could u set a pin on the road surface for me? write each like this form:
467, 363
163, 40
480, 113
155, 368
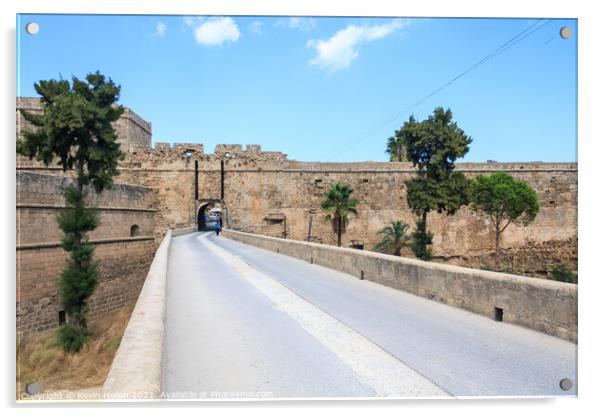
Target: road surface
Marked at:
243, 322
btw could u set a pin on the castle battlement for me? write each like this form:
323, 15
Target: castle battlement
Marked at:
134, 134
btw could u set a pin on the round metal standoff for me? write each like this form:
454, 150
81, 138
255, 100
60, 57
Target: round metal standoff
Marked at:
32, 28
32, 388
565, 32
566, 384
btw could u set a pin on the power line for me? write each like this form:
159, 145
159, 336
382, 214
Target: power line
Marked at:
532, 28
511, 42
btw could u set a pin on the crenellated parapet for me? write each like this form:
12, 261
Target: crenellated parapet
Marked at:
179, 155
134, 134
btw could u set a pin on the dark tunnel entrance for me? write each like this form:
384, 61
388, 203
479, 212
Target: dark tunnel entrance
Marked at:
207, 215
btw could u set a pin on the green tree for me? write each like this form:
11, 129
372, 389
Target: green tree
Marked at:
338, 204
420, 240
394, 237
75, 130
433, 145
505, 200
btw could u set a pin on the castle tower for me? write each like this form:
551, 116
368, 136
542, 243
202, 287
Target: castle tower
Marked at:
133, 132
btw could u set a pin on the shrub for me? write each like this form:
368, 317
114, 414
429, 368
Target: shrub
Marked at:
73, 337
562, 273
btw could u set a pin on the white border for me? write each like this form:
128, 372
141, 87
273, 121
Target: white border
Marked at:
589, 152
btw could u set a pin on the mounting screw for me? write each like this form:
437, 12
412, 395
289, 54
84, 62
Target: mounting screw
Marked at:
32, 28
565, 32
32, 388
566, 384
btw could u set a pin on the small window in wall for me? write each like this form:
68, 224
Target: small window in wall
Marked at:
357, 244
62, 317
134, 230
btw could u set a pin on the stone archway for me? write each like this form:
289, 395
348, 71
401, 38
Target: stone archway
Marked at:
208, 213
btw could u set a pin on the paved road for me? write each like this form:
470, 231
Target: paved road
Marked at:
246, 322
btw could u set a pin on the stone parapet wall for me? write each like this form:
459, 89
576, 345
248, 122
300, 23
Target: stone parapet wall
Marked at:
40, 199
137, 369
543, 305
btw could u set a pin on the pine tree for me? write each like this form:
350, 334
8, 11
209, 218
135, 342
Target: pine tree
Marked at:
75, 131
505, 200
433, 145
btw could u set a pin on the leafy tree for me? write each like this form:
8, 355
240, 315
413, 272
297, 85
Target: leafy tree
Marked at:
394, 237
506, 200
75, 130
338, 204
433, 145
396, 148
420, 240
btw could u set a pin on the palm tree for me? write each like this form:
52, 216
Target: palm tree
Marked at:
396, 148
338, 204
394, 237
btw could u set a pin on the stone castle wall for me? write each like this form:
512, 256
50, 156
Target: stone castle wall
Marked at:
124, 252
266, 193
134, 134
467, 238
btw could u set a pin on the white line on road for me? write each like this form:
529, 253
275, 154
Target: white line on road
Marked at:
375, 367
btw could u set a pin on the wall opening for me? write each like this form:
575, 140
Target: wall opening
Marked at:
62, 318
498, 314
357, 244
134, 230
209, 214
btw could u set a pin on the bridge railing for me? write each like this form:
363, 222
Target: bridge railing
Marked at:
137, 369
540, 304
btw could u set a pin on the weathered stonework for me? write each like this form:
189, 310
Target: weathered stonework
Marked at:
134, 134
266, 193
124, 259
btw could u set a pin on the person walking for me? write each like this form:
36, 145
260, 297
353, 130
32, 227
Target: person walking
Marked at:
218, 227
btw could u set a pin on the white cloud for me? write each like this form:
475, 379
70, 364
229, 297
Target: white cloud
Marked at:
192, 21
160, 29
340, 50
304, 24
256, 27
213, 31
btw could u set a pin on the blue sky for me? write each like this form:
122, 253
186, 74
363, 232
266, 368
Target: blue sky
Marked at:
322, 88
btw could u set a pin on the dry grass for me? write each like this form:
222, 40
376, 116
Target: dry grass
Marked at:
40, 358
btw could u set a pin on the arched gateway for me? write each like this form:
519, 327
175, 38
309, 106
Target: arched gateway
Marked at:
210, 211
